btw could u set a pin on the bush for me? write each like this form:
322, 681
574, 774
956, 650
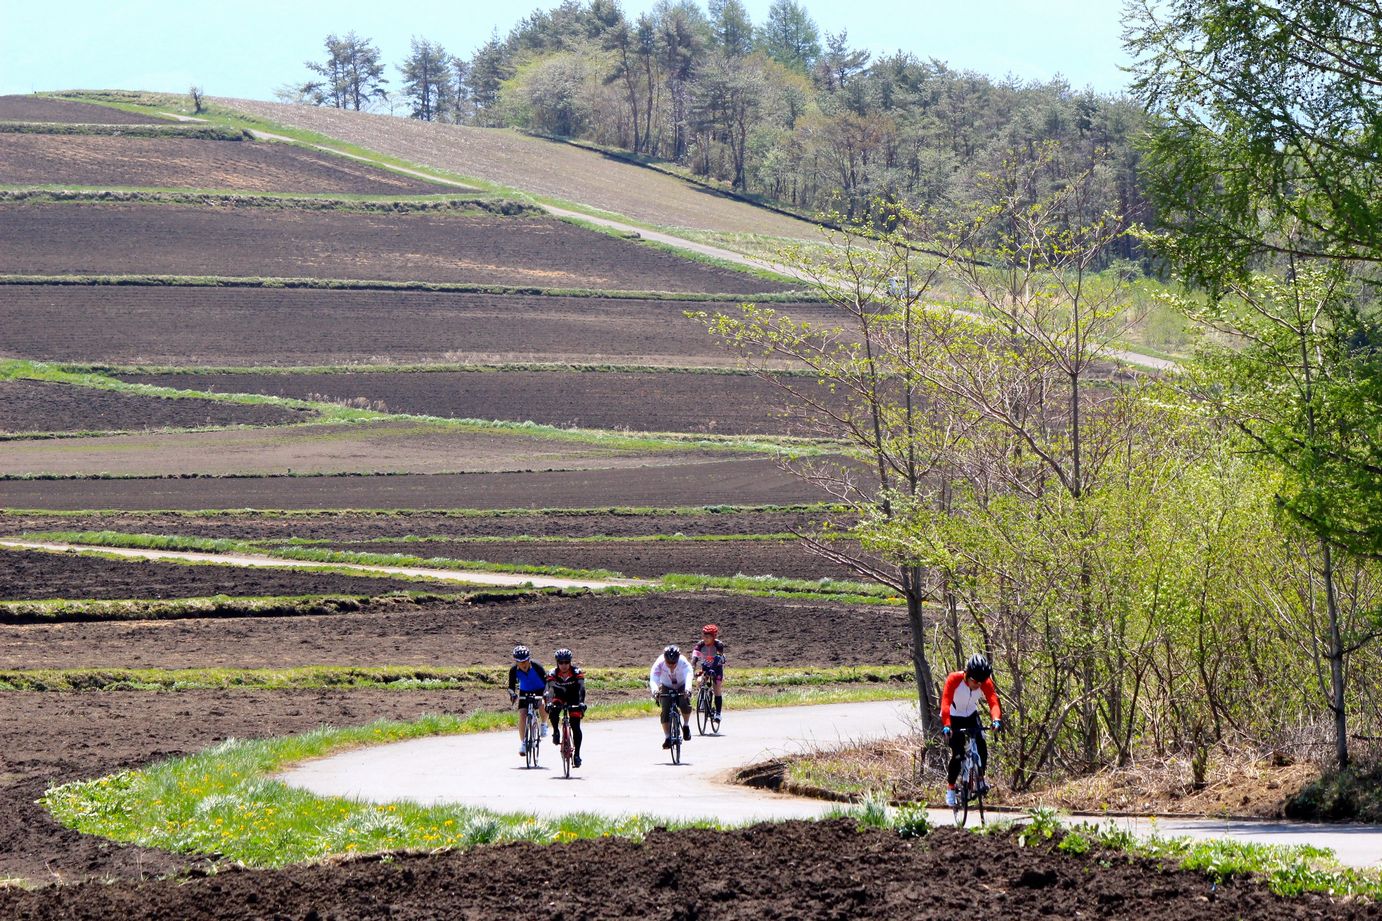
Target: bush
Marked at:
1354, 794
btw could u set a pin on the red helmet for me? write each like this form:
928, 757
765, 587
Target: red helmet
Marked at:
710, 630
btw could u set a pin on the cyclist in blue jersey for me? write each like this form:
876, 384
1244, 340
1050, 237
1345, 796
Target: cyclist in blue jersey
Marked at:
527, 682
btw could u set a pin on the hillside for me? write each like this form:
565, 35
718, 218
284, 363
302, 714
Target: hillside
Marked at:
548, 169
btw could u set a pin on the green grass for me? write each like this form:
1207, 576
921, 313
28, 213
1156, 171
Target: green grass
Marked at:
648, 511
62, 610
222, 801
879, 679
186, 131
440, 204
838, 590
450, 368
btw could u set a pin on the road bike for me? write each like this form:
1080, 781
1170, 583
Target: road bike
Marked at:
669, 700
532, 727
705, 706
970, 786
568, 748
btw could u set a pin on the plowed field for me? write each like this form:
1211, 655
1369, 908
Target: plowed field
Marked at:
792, 869
637, 559
42, 406
258, 326
47, 159
542, 167
603, 630
383, 526
35, 574
652, 402
39, 109
375, 447
110, 239
734, 482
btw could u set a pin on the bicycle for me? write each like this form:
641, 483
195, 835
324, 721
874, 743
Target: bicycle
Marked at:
568, 750
669, 710
532, 727
970, 785
705, 706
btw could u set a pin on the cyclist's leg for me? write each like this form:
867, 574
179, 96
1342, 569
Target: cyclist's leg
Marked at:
576, 733
719, 693
554, 717
983, 753
665, 700
958, 725
684, 704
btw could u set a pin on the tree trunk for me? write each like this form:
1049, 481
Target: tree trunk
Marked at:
926, 684
1336, 660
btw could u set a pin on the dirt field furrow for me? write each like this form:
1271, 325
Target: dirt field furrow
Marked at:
43, 406
295, 327
642, 401
182, 163
64, 111
603, 630
731, 482
111, 239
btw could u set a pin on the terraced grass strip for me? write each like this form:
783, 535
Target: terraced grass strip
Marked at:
188, 131
414, 678
67, 610
327, 412
366, 284
222, 801
644, 511
391, 204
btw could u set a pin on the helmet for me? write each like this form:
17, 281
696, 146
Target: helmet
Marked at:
711, 630
978, 668
671, 653
521, 654
562, 655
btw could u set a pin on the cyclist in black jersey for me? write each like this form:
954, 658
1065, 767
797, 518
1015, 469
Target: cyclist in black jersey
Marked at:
566, 685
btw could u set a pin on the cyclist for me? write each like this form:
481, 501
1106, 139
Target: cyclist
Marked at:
960, 710
708, 659
566, 687
527, 681
671, 674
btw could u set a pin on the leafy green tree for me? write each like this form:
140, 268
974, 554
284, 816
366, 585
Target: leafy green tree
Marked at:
1270, 120
428, 80
789, 36
731, 27
352, 76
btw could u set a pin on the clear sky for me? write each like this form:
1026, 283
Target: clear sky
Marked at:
249, 47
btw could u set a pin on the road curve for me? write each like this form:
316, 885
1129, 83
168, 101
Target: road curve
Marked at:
626, 772
467, 577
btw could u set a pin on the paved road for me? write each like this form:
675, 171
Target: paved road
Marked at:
627, 773
468, 577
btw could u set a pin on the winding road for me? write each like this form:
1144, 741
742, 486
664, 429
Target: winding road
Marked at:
626, 772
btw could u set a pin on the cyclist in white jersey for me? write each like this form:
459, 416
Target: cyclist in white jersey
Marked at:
671, 673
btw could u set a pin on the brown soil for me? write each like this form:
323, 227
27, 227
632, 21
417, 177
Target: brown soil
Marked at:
793, 869
109, 239
374, 447
547, 168
641, 401
252, 327
184, 163
639, 559
733, 482
603, 630
43, 406
383, 526
39, 109
33, 574
49, 738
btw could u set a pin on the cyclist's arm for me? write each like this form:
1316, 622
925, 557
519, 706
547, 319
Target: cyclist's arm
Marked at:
580, 688
952, 682
513, 678
991, 695
686, 683
652, 677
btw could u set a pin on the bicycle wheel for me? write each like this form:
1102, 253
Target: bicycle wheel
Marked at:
566, 749
705, 709
676, 738
534, 737
979, 801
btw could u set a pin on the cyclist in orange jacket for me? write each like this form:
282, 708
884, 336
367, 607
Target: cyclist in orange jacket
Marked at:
960, 710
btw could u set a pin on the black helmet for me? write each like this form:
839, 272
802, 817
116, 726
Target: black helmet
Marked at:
978, 668
522, 654
671, 653
562, 655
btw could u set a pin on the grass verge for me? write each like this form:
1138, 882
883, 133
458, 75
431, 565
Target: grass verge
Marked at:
65, 610
449, 205
223, 803
192, 132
